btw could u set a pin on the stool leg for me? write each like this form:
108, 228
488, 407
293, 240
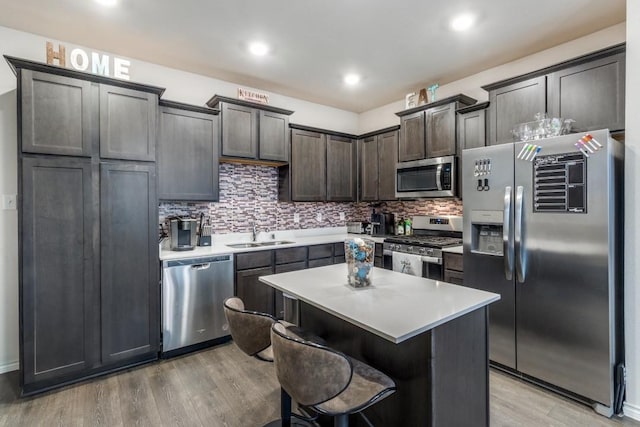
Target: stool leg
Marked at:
285, 408
341, 420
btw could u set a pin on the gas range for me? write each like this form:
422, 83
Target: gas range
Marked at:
431, 234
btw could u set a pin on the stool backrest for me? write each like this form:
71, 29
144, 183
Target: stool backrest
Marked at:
310, 373
250, 330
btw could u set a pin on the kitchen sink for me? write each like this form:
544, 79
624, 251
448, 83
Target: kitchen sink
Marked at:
259, 244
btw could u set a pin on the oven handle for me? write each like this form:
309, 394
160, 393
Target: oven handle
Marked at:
386, 252
431, 259
439, 177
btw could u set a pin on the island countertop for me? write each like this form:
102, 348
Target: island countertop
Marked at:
395, 307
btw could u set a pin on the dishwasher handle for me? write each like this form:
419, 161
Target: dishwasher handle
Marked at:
201, 266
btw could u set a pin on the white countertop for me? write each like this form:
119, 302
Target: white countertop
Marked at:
454, 249
298, 237
395, 307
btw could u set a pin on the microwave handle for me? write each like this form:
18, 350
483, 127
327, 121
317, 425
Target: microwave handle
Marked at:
439, 177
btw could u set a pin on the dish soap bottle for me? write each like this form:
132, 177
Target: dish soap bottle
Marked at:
400, 227
407, 227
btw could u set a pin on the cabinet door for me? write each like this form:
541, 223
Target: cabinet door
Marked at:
412, 137
56, 114
58, 301
187, 155
514, 104
279, 296
129, 261
471, 130
239, 131
592, 94
256, 295
308, 166
127, 124
441, 131
387, 159
369, 169
274, 136
342, 169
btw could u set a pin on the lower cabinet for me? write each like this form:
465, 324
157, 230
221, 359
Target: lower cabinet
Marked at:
453, 272
256, 295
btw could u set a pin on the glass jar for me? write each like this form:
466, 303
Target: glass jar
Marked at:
359, 255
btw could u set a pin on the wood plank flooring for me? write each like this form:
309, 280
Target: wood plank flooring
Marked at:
223, 387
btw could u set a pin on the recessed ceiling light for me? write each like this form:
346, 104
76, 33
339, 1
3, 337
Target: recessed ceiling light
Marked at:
107, 2
258, 48
352, 79
462, 22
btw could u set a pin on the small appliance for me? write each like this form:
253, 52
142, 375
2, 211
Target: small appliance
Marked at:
382, 224
426, 178
183, 233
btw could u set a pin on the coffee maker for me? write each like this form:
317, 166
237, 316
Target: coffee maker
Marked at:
183, 233
382, 224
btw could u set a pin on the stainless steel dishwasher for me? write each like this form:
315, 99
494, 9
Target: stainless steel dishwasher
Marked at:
193, 291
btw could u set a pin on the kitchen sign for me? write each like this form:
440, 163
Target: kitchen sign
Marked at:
248, 95
93, 62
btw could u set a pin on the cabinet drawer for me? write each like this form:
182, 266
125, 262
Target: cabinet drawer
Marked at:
321, 251
294, 266
338, 249
284, 256
253, 260
454, 277
453, 261
338, 259
320, 262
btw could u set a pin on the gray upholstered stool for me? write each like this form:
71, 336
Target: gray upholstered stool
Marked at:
251, 332
326, 380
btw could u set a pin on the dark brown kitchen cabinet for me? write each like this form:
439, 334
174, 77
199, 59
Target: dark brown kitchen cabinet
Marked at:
56, 114
592, 94
338, 253
59, 296
342, 168
441, 131
89, 254
128, 120
378, 158
188, 153
453, 271
253, 132
256, 295
320, 255
513, 104
472, 126
412, 137
308, 166
128, 261
429, 130
589, 89
289, 259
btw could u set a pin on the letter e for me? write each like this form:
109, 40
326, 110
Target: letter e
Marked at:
121, 68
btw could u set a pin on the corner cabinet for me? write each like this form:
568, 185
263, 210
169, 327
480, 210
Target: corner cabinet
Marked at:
251, 132
378, 158
429, 130
89, 292
308, 166
342, 168
589, 89
188, 146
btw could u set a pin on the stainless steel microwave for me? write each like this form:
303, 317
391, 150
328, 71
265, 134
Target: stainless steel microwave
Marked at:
426, 178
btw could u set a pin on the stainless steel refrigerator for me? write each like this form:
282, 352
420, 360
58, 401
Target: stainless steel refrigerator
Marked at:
542, 227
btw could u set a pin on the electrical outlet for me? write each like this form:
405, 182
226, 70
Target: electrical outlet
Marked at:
296, 218
9, 202
342, 216
319, 217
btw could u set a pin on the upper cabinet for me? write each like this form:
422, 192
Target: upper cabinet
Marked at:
430, 130
252, 133
378, 158
589, 89
188, 144
308, 166
472, 126
342, 169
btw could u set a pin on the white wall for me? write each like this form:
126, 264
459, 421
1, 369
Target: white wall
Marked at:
632, 211
472, 86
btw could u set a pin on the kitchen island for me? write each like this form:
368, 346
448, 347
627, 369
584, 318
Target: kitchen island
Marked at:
429, 336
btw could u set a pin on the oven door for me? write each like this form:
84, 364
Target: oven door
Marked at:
426, 178
407, 263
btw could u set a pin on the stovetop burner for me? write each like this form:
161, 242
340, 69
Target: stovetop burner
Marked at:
425, 241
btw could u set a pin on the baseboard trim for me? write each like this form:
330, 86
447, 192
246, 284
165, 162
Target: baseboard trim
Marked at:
8, 367
632, 411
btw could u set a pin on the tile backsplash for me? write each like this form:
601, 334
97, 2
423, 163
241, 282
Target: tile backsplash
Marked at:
249, 194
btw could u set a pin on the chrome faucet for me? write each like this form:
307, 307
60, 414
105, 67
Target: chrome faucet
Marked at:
254, 232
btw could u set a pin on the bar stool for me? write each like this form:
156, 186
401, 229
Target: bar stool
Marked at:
251, 332
324, 379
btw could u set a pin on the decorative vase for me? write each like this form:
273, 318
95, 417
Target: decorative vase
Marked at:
359, 255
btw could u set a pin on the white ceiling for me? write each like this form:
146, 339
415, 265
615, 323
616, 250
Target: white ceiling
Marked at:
397, 46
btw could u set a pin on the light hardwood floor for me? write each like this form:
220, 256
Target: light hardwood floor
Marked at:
223, 387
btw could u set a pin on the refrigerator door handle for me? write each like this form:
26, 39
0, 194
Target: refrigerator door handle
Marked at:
519, 250
507, 236
439, 177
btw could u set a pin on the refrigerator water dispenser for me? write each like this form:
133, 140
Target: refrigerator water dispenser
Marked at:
486, 232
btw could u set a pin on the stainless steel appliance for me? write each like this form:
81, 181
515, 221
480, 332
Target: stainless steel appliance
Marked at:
183, 233
382, 224
426, 178
431, 234
357, 227
542, 227
193, 291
